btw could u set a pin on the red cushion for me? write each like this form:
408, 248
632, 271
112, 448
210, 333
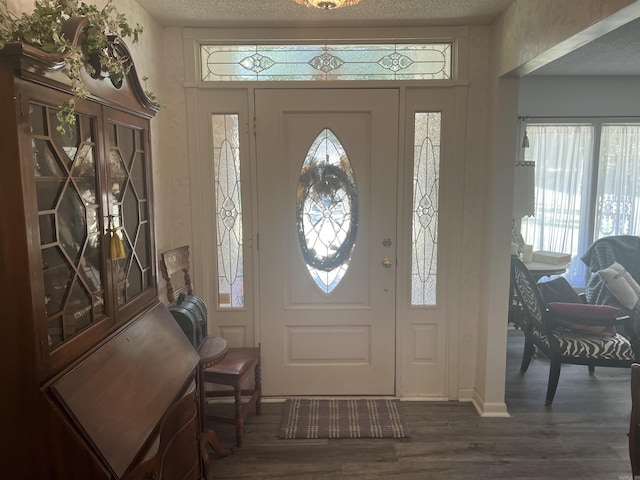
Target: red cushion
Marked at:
584, 318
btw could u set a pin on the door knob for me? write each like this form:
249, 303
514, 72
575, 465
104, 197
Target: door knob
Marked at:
387, 263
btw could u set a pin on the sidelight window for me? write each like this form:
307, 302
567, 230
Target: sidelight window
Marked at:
426, 177
228, 211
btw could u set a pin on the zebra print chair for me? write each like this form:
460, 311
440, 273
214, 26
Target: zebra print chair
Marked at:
550, 335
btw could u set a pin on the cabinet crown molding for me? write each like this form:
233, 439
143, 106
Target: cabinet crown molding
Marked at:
34, 64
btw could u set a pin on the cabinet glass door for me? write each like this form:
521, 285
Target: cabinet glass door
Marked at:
129, 205
69, 214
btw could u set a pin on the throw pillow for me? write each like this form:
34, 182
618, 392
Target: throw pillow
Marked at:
584, 318
621, 284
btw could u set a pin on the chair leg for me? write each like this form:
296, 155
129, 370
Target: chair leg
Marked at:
239, 423
201, 400
529, 350
554, 376
258, 387
592, 369
634, 446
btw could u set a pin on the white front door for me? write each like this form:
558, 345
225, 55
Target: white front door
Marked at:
319, 338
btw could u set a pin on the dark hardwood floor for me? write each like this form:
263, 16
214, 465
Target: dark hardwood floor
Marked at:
582, 436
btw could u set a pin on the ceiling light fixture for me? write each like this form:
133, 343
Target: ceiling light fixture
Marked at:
327, 4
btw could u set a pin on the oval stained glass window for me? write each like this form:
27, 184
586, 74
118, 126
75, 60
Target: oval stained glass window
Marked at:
327, 211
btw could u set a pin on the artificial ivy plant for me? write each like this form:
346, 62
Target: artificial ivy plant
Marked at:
42, 29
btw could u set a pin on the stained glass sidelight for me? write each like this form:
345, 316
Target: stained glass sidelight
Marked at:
228, 63
226, 160
327, 211
426, 176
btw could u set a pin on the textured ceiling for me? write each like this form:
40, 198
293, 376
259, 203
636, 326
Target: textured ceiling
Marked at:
287, 13
617, 53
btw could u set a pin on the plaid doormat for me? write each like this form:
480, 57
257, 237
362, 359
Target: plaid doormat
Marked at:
312, 418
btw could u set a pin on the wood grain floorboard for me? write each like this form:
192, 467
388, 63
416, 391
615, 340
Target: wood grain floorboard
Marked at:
583, 436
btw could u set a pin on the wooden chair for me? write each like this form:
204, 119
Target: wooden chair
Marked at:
233, 370
575, 344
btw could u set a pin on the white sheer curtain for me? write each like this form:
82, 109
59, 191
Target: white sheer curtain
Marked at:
563, 158
618, 209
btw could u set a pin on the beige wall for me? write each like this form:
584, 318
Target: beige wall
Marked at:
174, 228
168, 130
475, 191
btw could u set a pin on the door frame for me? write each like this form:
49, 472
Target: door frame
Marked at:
412, 99
452, 102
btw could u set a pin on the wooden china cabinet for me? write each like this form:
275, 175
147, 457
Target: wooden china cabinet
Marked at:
85, 340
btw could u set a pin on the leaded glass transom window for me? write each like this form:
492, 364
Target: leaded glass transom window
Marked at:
426, 176
226, 161
327, 211
227, 63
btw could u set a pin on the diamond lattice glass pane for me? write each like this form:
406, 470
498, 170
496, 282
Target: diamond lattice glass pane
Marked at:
55, 332
128, 274
426, 175
37, 120
47, 229
328, 62
130, 211
57, 279
126, 144
84, 173
138, 175
48, 193
121, 278
142, 246
118, 175
45, 160
66, 143
327, 211
226, 160
135, 280
90, 274
77, 312
49, 188
72, 223
86, 127
84, 165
